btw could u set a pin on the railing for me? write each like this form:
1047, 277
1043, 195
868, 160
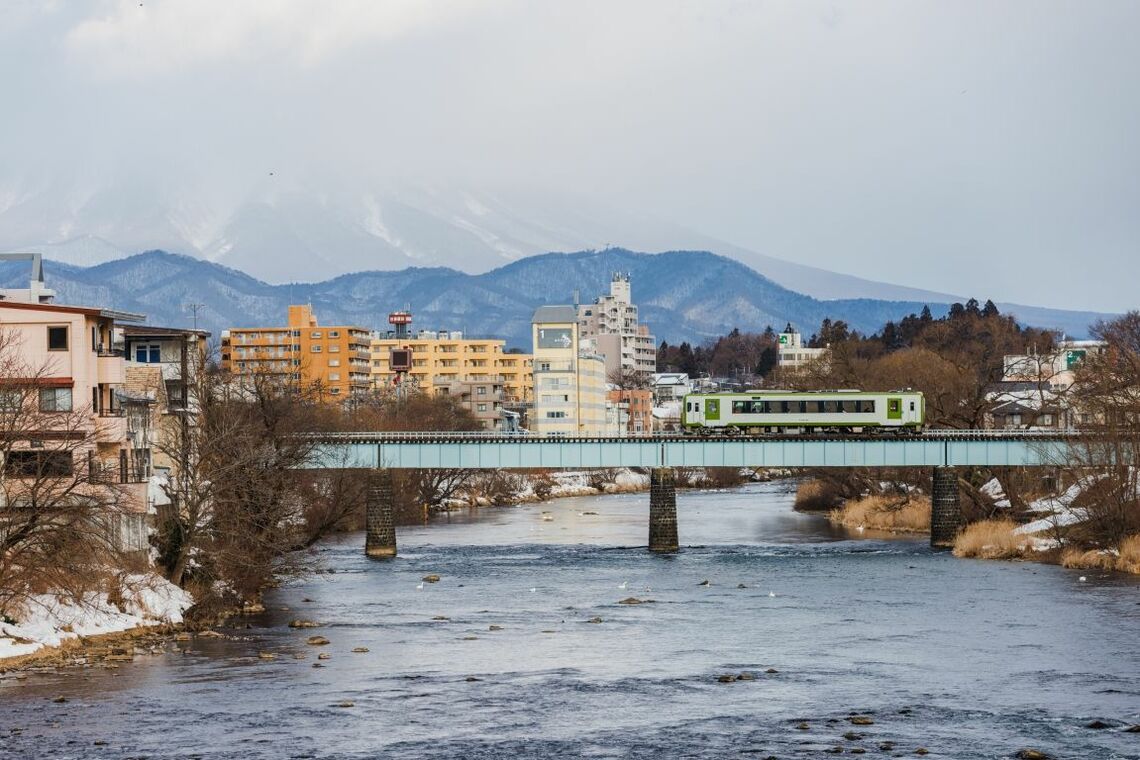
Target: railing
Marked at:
451, 435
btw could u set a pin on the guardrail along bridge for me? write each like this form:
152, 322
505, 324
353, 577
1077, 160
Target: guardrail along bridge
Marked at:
941, 450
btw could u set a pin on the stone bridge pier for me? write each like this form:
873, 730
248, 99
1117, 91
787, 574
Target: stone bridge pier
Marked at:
379, 522
945, 508
662, 510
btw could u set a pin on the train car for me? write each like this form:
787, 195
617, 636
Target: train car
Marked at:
844, 411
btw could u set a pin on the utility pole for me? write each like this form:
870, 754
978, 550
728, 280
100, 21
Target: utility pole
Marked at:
194, 309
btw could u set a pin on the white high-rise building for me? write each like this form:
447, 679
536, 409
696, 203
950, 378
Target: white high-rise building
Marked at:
611, 325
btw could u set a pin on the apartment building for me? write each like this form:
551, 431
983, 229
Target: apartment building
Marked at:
61, 399
792, 351
611, 324
330, 360
636, 405
478, 371
569, 377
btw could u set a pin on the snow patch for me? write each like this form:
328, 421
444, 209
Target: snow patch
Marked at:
49, 619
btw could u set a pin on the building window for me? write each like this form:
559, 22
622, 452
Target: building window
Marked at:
334, 362
480, 407
334, 376
555, 415
315, 349
334, 348
33, 464
315, 334
55, 399
334, 333
481, 390
57, 338
148, 353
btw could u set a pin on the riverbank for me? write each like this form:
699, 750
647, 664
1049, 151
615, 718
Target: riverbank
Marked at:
55, 629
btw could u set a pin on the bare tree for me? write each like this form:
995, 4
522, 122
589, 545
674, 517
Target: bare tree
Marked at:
59, 503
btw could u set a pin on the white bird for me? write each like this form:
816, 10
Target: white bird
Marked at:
533, 590
623, 584
1083, 579
771, 593
420, 587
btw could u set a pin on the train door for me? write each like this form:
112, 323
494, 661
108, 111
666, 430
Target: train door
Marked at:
712, 409
894, 408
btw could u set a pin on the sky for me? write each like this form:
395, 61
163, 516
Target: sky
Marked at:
982, 148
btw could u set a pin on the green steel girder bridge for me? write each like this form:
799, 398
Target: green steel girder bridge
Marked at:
941, 450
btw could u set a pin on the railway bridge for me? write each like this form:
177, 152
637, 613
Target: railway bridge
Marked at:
942, 450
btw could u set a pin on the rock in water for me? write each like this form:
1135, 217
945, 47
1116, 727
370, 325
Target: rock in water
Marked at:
726, 679
360, 650
861, 720
1031, 754
317, 641
431, 578
1097, 725
303, 624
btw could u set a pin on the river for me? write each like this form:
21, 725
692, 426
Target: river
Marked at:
967, 659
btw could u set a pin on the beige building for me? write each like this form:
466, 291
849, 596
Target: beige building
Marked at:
478, 371
792, 351
611, 324
569, 378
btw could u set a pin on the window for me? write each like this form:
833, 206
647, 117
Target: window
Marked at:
334, 349
11, 401
867, 405
814, 407
296, 333
544, 366
57, 338
1045, 419
555, 415
55, 399
148, 353
315, 334
334, 376
481, 390
480, 407
315, 349
894, 406
31, 464
334, 362
334, 391
334, 333
847, 406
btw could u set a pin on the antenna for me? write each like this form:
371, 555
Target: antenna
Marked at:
194, 308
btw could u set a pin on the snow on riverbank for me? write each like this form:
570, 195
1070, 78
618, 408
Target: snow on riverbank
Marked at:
49, 620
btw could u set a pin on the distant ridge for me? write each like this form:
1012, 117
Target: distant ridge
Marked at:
683, 295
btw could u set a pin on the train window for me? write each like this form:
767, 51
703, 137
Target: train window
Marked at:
785, 407
830, 407
865, 405
688, 406
814, 407
763, 407
912, 406
847, 406
740, 407
802, 406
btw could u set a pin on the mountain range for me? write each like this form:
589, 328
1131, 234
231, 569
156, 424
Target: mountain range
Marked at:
683, 295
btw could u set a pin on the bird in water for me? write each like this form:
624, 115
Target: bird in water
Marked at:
420, 587
533, 590
1083, 579
771, 593
623, 585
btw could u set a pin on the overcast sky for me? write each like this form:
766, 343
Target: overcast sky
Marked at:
988, 148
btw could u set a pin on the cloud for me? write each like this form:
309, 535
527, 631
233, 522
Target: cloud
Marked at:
144, 39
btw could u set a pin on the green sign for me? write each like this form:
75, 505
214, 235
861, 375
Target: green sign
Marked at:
783, 340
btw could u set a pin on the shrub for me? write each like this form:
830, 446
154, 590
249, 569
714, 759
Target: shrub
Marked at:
991, 539
909, 515
1129, 560
816, 495
1087, 559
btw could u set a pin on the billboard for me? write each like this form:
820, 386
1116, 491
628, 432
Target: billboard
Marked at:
555, 337
400, 359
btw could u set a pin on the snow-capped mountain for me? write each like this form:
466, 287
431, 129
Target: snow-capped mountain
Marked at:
283, 229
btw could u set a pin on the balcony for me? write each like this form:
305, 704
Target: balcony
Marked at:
111, 427
110, 369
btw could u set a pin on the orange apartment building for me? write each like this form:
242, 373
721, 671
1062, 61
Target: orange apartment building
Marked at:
334, 359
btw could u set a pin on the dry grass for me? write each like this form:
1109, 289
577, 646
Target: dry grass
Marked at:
1129, 559
991, 539
815, 495
1090, 559
882, 513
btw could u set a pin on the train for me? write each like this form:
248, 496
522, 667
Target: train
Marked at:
803, 412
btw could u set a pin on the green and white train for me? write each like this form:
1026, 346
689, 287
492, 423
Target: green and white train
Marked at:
763, 412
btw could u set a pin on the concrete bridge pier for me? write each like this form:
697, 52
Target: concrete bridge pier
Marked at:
380, 526
946, 508
662, 510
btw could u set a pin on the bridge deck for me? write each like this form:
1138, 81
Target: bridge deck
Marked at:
476, 451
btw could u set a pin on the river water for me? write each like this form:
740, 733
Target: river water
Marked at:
966, 659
